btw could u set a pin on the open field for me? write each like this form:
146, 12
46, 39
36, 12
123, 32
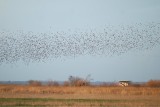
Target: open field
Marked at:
60, 96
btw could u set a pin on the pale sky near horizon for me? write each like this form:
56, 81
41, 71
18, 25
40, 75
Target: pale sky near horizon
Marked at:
45, 16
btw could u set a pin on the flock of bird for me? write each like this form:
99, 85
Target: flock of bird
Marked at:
36, 47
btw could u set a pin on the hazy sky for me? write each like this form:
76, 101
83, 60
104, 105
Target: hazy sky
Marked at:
44, 16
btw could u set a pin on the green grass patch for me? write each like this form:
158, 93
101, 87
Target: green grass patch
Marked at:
50, 102
56, 100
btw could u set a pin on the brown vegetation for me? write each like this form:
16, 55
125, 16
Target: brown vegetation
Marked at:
153, 83
30, 89
77, 81
52, 83
34, 83
71, 96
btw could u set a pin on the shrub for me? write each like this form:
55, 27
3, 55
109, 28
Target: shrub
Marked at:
66, 83
153, 83
77, 81
34, 83
52, 83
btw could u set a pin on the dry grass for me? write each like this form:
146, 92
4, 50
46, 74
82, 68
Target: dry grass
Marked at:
79, 96
19, 89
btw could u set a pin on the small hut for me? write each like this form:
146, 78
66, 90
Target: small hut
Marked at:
124, 83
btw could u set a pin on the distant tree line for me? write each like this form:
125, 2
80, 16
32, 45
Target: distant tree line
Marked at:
72, 81
78, 81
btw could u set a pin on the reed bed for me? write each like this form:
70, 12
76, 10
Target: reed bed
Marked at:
90, 96
15, 89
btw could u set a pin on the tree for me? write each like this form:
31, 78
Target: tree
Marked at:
78, 81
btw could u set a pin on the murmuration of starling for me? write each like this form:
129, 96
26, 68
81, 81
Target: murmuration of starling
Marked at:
36, 47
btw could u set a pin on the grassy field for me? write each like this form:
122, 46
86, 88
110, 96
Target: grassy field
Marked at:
60, 96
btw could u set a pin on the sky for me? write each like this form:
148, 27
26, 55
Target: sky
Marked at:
69, 16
